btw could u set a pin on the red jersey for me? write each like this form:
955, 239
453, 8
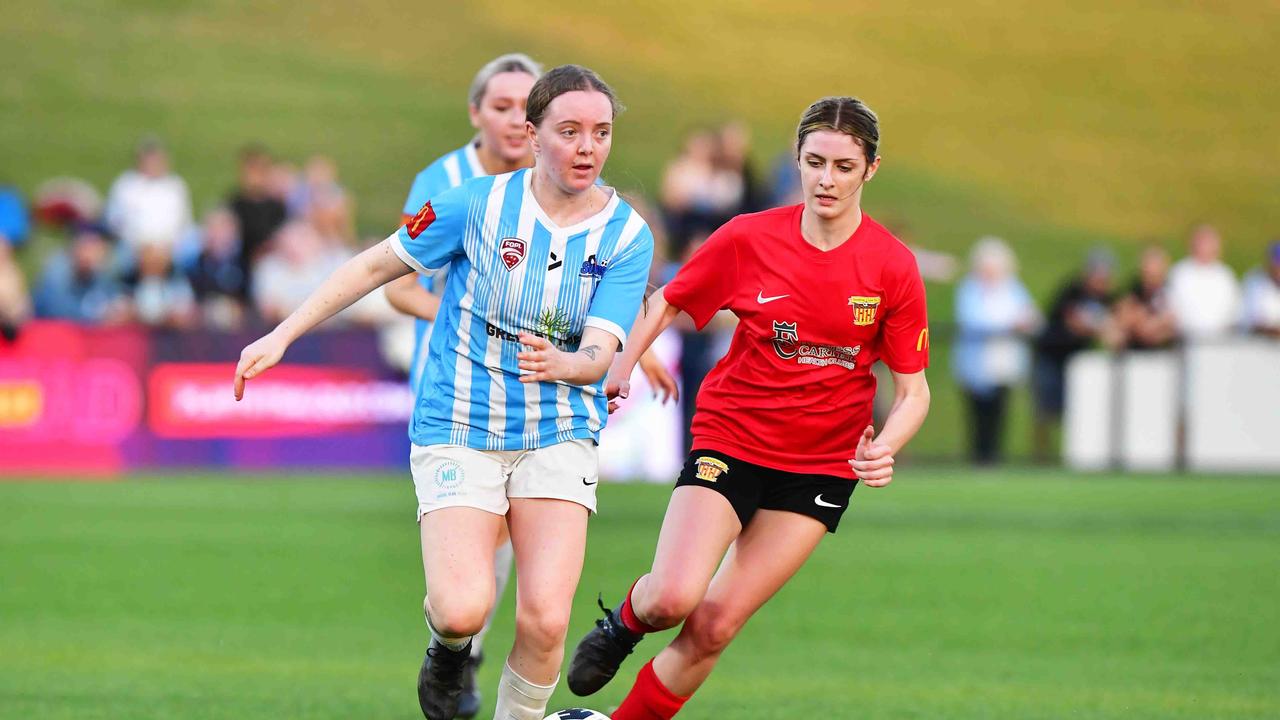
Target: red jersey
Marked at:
795, 390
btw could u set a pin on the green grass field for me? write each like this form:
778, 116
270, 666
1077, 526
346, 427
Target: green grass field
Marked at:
951, 594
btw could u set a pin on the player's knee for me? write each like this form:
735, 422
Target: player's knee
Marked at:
542, 625
455, 615
711, 629
667, 604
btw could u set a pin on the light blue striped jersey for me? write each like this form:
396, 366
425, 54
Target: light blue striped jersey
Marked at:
448, 171
514, 270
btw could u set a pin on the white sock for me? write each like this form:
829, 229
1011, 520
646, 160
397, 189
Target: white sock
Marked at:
453, 643
502, 560
519, 699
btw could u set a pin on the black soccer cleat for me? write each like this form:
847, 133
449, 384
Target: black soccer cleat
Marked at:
440, 681
600, 653
470, 699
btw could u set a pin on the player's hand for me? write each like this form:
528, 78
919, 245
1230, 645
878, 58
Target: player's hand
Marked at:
258, 357
664, 386
541, 361
873, 461
616, 387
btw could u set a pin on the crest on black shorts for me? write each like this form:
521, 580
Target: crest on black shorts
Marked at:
710, 469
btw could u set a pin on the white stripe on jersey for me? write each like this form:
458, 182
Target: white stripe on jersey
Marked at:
453, 169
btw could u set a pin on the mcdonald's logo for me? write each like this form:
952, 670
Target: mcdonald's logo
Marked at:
419, 222
922, 340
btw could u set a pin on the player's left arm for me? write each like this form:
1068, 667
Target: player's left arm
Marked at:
906, 352
614, 305
543, 362
874, 459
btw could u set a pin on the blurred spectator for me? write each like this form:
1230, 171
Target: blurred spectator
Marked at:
698, 193
1203, 292
994, 316
329, 212
734, 158
78, 283
15, 223
257, 211
66, 201
148, 205
934, 265
286, 186
15, 304
1262, 295
1143, 315
319, 180
1078, 318
216, 277
784, 181
297, 264
161, 296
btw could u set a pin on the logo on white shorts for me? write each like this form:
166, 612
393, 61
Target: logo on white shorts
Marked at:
448, 475
820, 503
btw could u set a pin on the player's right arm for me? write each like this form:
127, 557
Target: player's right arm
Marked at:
428, 241
356, 278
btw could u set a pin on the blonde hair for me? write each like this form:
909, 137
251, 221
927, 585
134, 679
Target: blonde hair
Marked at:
511, 62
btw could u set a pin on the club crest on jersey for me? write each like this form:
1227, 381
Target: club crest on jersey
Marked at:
592, 268
864, 309
710, 469
512, 252
420, 222
785, 337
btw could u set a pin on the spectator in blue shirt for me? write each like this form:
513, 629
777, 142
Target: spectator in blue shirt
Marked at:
994, 316
78, 283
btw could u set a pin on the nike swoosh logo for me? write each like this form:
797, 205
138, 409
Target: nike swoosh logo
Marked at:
589, 484
818, 501
760, 298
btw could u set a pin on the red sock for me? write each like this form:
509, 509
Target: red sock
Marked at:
628, 615
649, 699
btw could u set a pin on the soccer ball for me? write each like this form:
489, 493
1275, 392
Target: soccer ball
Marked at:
577, 714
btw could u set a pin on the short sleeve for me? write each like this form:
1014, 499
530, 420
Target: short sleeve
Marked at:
905, 329
617, 299
706, 284
433, 236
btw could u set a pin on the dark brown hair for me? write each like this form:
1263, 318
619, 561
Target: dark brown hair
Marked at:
563, 79
845, 115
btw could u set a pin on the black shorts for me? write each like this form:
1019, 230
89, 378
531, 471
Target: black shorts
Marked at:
749, 487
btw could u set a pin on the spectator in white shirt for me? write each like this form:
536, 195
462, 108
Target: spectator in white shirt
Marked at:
1262, 296
1203, 292
149, 205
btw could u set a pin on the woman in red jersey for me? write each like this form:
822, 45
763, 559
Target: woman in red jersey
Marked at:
782, 432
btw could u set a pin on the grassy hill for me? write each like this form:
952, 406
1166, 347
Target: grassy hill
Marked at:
1056, 126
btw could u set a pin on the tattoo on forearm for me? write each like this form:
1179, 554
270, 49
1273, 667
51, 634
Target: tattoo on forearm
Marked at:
590, 351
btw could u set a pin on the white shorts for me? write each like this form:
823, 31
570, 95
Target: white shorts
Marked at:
457, 476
